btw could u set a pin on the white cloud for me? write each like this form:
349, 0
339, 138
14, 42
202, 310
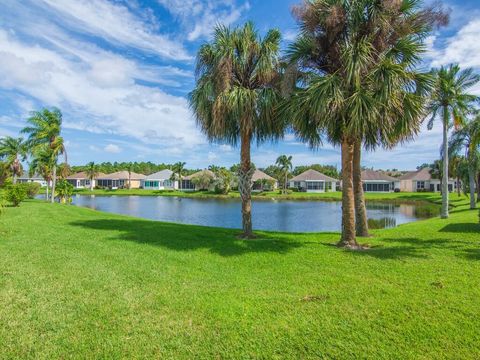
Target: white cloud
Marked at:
199, 16
112, 149
116, 23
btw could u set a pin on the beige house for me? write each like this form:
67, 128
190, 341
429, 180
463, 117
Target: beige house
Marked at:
378, 181
257, 183
188, 183
80, 180
313, 181
120, 180
421, 180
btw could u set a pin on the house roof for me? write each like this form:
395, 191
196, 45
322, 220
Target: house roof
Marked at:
199, 173
372, 175
259, 175
83, 175
122, 175
312, 175
419, 175
160, 175
34, 176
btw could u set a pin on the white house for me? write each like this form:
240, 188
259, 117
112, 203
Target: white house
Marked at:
313, 181
160, 181
35, 178
378, 181
421, 180
81, 180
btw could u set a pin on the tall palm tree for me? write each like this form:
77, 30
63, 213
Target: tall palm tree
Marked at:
44, 127
92, 173
13, 151
358, 83
284, 162
42, 163
452, 103
178, 172
130, 167
235, 96
467, 139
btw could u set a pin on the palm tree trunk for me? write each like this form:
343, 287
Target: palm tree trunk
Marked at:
361, 223
478, 187
245, 181
54, 181
14, 178
47, 190
91, 184
471, 179
458, 186
444, 213
286, 181
348, 203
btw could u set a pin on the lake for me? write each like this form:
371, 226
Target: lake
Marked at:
274, 215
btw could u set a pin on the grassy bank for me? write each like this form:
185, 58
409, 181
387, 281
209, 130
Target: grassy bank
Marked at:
84, 284
333, 196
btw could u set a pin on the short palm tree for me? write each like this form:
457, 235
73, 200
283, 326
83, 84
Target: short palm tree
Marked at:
92, 173
451, 102
235, 97
13, 151
42, 163
178, 172
284, 162
44, 127
130, 167
358, 83
467, 140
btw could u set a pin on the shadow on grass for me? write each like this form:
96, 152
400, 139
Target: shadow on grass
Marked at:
461, 228
188, 237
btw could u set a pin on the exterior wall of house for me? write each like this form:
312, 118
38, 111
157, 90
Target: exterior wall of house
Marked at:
160, 184
377, 186
314, 186
118, 183
42, 182
80, 183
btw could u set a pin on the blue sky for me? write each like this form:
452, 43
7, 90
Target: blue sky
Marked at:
120, 72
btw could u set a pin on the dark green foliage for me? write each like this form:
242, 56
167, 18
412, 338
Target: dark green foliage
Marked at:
31, 189
15, 194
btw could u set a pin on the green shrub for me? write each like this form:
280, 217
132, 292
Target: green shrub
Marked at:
31, 189
15, 194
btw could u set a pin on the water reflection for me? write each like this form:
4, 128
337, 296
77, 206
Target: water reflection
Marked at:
291, 216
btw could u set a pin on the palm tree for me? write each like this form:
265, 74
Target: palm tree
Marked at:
13, 151
42, 163
130, 167
284, 162
452, 102
468, 139
358, 83
92, 173
44, 127
178, 172
454, 162
235, 96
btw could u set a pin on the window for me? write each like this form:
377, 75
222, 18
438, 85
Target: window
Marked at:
420, 185
315, 185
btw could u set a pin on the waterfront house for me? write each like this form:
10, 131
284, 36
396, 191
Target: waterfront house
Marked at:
35, 179
189, 183
262, 181
81, 180
378, 181
120, 180
313, 181
161, 180
421, 180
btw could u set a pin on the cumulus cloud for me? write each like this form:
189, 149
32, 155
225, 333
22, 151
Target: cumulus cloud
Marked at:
112, 148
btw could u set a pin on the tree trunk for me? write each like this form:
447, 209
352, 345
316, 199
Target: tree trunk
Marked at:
54, 181
286, 181
245, 186
471, 179
47, 190
458, 186
348, 204
91, 184
478, 187
444, 213
361, 223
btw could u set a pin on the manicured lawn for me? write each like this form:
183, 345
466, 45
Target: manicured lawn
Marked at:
76, 283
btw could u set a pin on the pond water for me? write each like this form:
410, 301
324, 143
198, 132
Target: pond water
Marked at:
275, 215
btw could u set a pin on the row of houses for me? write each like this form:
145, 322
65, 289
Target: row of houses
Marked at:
309, 181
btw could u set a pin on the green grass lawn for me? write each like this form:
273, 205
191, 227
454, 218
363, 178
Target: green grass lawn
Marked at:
75, 283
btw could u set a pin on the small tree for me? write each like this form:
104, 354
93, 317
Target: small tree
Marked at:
15, 194
64, 191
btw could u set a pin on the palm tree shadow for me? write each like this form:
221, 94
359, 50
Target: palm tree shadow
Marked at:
461, 228
181, 237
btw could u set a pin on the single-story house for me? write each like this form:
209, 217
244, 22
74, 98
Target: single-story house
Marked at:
378, 181
161, 180
313, 181
35, 178
120, 180
188, 183
81, 180
421, 180
262, 181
